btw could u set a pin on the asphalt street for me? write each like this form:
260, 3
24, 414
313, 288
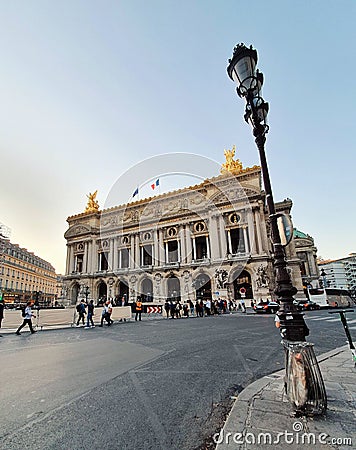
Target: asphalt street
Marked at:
155, 384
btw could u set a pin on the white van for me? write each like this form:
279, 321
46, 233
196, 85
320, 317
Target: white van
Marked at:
332, 298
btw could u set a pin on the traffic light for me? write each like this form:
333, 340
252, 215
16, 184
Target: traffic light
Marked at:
1, 297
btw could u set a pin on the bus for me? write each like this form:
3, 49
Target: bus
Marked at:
330, 298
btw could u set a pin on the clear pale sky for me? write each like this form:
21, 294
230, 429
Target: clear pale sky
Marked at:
89, 89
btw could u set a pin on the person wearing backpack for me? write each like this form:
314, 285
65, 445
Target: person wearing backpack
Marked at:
81, 310
27, 319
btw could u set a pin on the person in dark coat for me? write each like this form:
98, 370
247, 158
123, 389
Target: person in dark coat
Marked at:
167, 308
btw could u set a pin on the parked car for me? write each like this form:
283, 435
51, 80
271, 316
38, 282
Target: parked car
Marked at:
266, 307
307, 305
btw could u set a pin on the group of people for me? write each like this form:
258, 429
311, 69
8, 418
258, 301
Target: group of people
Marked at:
87, 309
175, 310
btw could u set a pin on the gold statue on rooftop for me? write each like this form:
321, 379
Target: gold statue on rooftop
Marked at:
93, 205
231, 165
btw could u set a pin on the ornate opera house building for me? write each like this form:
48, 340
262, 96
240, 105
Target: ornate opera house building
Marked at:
204, 241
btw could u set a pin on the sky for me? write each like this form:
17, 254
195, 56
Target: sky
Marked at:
90, 89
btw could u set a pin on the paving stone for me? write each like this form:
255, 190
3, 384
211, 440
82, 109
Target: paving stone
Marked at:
269, 411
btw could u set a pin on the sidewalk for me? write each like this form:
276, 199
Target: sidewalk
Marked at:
261, 416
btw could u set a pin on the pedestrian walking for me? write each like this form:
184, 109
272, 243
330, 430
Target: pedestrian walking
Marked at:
178, 309
201, 308
167, 308
27, 319
109, 312
243, 307
172, 309
138, 308
208, 307
104, 314
90, 322
81, 311
191, 306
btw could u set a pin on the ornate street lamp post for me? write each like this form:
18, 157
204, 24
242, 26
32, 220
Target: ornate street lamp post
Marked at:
242, 70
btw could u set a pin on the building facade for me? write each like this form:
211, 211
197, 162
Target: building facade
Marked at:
203, 241
307, 255
340, 273
25, 276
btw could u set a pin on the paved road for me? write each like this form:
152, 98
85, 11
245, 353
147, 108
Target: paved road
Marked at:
162, 384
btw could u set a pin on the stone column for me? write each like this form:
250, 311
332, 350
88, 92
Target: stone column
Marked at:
188, 241
263, 228
247, 247
229, 246
91, 250
214, 237
258, 229
166, 252
116, 254
207, 246
194, 248
181, 242
251, 232
71, 259
132, 252
68, 260
85, 258
179, 250
155, 259
222, 237
111, 255
161, 248
137, 250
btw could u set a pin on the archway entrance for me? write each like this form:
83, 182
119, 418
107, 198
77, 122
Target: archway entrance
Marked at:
173, 288
243, 282
74, 294
147, 290
102, 292
123, 291
202, 285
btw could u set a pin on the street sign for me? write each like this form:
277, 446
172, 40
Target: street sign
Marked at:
154, 309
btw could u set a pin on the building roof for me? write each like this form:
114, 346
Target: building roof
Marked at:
299, 234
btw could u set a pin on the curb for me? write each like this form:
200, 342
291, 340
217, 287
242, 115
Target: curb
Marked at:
238, 416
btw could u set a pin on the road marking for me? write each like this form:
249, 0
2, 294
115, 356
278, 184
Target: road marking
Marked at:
318, 318
243, 361
157, 427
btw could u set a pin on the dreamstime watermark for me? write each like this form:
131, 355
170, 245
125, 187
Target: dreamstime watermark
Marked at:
298, 436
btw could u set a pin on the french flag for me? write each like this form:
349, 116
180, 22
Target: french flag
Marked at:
156, 184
